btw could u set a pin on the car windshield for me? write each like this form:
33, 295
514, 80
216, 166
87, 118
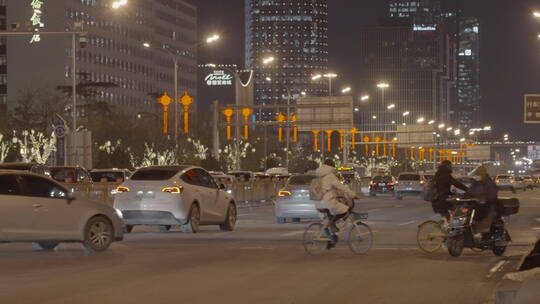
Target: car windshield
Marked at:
112, 176
63, 174
301, 179
466, 180
504, 177
382, 179
153, 174
409, 177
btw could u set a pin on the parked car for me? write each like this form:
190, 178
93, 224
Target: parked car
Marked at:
167, 196
109, 175
35, 208
465, 180
293, 201
409, 184
505, 182
30, 167
381, 185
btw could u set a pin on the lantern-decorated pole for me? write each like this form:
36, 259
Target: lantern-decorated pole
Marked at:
186, 101
165, 101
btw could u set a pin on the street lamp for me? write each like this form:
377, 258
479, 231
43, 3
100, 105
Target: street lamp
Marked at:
420, 120
346, 90
175, 56
268, 79
431, 122
390, 107
441, 126
536, 14
383, 86
268, 60
406, 113
364, 98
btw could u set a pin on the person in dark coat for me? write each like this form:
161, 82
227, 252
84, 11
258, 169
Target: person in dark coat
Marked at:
443, 183
486, 191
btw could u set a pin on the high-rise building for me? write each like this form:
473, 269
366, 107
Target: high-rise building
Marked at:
468, 100
295, 33
115, 52
417, 65
3, 59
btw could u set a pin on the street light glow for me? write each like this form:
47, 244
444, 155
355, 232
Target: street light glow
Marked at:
330, 75
449, 129
441, 126
462, 140
268, 60
212, 38
316, 77
119, 3
364, 98
431, 122
346, 90
390, 107
146, 45
303, 93
356, 109
268, 79
420, 120
383, 85
374, 117
406, 113
536, 14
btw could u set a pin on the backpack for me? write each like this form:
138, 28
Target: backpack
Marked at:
430, 191
316, 192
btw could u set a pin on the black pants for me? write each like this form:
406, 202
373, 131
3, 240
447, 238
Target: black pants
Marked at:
441, 206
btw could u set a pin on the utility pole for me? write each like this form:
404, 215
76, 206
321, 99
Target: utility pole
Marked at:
288, 136
215, 129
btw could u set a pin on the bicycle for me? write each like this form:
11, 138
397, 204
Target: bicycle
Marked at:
432, 235
358, 234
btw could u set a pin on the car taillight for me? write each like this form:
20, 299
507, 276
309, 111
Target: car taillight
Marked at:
284, 193
122, 189
390, 184
172, 190
497, 180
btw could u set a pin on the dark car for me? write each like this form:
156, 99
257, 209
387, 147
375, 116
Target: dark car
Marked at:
30, 167
381, 185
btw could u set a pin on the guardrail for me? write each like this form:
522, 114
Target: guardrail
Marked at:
243, 191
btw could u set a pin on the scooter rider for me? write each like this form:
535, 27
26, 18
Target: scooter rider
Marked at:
485, 190
443, 183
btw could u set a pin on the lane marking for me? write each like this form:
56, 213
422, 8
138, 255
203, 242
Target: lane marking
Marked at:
293, 233
496, 268
406, 223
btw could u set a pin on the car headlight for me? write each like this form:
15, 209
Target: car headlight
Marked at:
118, 213
229, 191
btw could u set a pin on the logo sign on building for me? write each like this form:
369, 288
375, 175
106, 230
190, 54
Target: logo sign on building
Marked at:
36, 19
533, 152
219, 78
532, 108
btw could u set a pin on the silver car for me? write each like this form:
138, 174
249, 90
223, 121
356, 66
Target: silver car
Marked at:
35, 208
293, 200
167, 196
409, 184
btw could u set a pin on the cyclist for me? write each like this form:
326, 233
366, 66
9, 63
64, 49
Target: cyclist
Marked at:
485, 190
443, 183
333, 189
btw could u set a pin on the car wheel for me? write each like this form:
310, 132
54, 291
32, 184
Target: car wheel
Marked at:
164, 228
194, 220
281, 220
230, 219
98, 234
47, 246
128, 228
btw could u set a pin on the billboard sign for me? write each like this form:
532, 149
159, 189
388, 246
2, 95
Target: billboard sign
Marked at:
479, 153
532, 108
411, 135
325, 113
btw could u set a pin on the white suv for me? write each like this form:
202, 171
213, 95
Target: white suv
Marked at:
409, 184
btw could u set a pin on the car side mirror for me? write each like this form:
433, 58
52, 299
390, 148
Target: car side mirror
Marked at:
222, 187
71, 197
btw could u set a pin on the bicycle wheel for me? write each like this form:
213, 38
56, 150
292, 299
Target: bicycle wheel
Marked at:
360, 238
314, 239
430, 236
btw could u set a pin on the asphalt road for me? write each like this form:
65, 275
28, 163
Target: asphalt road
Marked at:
263, 262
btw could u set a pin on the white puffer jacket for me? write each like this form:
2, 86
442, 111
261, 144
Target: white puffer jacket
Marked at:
332, 188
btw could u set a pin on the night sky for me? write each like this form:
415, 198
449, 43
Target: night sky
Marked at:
510, 54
